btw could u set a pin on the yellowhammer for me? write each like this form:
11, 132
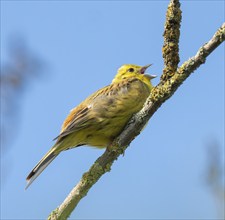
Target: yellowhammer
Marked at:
102, 116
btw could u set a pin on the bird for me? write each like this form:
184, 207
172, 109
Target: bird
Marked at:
102, 116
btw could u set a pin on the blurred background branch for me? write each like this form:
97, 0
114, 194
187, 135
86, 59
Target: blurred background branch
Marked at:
19, 71
215, 176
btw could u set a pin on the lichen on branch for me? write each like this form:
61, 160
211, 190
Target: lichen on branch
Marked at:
171, 36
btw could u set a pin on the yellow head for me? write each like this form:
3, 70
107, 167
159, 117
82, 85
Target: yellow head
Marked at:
130, 71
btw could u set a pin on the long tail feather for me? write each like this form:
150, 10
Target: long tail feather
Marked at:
41, 165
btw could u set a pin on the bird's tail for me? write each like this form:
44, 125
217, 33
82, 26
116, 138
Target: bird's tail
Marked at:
41, 165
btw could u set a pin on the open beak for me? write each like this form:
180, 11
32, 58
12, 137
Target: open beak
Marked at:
144, 68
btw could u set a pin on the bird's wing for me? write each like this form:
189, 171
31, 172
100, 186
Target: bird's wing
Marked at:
80, 117
76, 120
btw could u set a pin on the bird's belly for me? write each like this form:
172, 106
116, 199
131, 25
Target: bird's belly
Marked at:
105, 133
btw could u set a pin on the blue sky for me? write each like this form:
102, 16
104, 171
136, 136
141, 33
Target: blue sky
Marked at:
83, 43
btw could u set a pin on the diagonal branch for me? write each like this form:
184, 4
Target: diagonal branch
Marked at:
160, 94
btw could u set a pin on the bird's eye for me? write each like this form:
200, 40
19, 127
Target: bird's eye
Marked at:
131, 70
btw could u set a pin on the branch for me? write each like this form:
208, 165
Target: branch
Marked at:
171, 39
159, 95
